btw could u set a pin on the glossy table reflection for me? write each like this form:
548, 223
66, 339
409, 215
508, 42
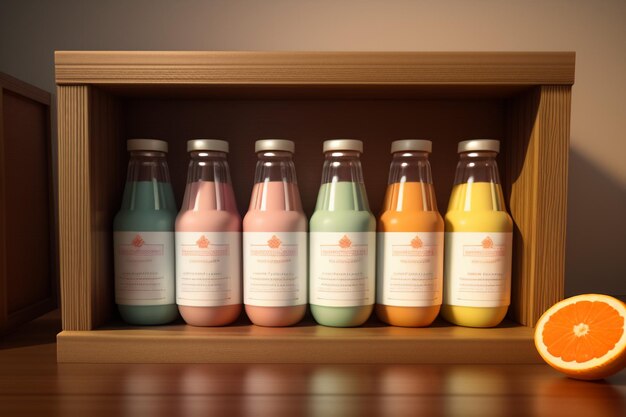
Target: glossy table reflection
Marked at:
31, 382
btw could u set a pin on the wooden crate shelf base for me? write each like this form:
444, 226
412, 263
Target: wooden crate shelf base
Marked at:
306, 343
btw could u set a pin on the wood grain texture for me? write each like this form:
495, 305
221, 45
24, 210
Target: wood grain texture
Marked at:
89, 177
75, 211
27, 288
122, 67
536, 183
107, 175
306, 343
553, 130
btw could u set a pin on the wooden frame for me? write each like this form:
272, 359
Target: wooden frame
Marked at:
27, 289
91, 89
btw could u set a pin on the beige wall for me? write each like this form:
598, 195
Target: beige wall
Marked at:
596, 30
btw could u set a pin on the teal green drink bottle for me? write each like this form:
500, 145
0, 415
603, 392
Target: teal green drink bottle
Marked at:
342, 241
143, 238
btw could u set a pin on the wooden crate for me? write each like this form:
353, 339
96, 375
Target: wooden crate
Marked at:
108, 97
28, 272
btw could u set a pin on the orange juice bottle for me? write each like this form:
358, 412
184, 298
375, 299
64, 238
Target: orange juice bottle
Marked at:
478, 250
410, 240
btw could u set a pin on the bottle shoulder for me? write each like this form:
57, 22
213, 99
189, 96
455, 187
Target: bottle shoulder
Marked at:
208, 221
343, 220
478, 221
409, 221
274, 221
144, 220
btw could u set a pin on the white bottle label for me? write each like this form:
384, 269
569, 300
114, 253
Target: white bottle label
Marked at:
144, 268
274, 268
410, 269
478, 269
343, 268
208, 271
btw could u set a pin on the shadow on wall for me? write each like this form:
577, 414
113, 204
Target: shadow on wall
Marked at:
596, 230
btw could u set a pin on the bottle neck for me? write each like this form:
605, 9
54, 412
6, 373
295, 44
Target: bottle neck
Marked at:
477, 167
208, 166
275, 184
147, 166
342, 183
274, 166
477, 184
342, 166
208, 183
148, 183
410, 167
410, 183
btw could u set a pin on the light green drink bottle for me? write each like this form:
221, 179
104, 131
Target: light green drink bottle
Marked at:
342, 241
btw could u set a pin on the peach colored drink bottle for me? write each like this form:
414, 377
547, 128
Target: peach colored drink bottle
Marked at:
410, 240
275, 240
479, 234
208, 240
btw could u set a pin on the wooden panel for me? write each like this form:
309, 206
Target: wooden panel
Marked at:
4, 313
24, 89
314, 91
536, 183
75, 233
89, 190
27, 240
306, 343
107, 173
27, 188
552, 130
121, 67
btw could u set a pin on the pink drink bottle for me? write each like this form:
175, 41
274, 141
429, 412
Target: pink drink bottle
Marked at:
208, 240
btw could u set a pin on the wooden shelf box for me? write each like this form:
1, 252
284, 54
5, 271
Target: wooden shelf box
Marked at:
105, 98
28, 267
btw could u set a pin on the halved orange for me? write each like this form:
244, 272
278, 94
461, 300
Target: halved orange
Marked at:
583, 336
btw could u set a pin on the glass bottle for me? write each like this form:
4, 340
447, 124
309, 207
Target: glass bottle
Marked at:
143, 236
478, 240
208, 239
342, 241
410, 240
275, 240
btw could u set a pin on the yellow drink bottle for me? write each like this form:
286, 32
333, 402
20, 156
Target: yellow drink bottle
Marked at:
478, 240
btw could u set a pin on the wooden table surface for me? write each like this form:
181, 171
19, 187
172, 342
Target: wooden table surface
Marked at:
32, 383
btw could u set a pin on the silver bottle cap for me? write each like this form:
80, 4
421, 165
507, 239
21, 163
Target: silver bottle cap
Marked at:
207, 145
477, 145
274, 145
146, 145
408, 145
343, 145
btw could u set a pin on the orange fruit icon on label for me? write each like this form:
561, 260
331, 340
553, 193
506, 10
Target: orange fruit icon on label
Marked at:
274, 242
345, 242
583, 336
203, 242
